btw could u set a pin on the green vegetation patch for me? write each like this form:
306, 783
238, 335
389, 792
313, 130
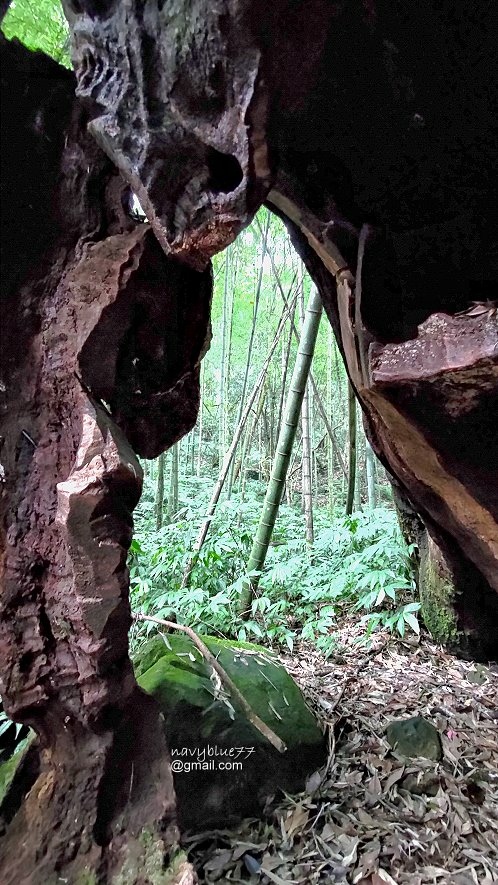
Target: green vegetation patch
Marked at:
39, 25
9, 768
437, 595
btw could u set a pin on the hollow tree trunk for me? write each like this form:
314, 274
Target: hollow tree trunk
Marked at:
382, 162
380, 144
418, 324
80, 282
423, 399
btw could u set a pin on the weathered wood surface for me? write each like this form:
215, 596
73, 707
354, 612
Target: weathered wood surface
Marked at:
341, 115
99, 319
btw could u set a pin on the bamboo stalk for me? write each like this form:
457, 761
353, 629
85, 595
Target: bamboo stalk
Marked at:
231, 451
286, 437
352, 449
251, 337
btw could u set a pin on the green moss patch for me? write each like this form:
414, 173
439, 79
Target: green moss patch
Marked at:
228, 769
175, 673
437, 595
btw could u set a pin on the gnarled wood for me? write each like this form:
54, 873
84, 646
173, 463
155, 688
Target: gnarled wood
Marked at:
97, 314
179, 106
336, 114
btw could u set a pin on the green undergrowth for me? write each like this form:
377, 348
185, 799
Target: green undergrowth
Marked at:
358, 565
39, 25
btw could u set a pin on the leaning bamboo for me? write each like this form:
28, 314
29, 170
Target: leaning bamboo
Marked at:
264, 246
286, 437
231, 450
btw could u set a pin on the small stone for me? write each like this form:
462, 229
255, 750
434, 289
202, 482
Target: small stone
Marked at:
477, 676
415, 737
422, 784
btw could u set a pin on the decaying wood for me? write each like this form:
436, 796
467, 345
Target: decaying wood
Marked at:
180, 106
423, 399
92, 317
204, 110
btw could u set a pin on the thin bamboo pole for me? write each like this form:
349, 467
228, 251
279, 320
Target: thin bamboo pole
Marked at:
231, 451
286, 437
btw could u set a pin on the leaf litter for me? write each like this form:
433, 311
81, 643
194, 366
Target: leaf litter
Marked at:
372, 816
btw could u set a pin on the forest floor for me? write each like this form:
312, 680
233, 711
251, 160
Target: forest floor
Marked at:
374, 817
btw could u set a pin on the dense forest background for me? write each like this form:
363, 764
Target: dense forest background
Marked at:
336, 545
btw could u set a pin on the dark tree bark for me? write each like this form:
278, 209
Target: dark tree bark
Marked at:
88, 303
374, 143
179, 105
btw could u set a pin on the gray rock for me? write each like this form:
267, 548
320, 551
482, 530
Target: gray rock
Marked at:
415, 737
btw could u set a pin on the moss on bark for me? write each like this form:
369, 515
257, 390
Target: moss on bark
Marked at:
437, 596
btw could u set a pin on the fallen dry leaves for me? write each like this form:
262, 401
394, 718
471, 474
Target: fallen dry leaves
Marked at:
372, 817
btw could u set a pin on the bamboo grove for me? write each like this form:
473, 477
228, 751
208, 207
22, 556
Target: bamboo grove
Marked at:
278, 459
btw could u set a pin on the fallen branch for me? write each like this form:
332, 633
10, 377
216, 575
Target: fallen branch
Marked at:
254, 719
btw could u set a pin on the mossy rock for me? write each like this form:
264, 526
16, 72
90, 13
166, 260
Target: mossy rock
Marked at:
415, 737
146, 862
179, 675
204, 726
